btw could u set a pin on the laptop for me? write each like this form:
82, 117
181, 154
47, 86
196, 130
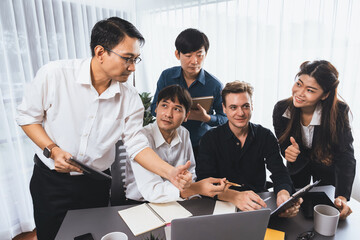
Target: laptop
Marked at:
240, 225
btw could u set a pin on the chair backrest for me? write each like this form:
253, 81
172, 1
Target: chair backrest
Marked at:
118, 173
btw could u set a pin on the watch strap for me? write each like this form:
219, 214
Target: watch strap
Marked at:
51, 146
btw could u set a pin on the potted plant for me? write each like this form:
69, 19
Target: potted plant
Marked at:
152, 237
146, 100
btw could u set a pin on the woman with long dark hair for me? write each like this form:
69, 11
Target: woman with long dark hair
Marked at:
314, 132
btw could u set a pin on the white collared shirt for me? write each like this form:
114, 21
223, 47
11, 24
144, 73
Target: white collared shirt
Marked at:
143, 185
307, 132
62, 98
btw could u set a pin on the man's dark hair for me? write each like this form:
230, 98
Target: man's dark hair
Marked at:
110, 32
174, 92
191, 40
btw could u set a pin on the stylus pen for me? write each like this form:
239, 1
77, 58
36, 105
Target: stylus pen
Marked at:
266, 199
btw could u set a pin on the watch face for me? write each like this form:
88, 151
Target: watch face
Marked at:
47, 152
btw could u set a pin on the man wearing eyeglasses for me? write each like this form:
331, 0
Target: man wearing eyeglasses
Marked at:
191, 49
81, 108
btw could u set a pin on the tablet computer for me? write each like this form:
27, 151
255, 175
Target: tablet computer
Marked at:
293, 199
205, 102
87, 170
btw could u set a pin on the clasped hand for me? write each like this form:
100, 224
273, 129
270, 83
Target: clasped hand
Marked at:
292, 211
180, 177
199, 115
341, 204
60, 156
212, 186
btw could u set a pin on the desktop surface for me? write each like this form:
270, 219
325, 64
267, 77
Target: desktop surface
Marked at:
100, 221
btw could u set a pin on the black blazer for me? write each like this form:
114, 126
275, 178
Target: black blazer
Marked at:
342, 172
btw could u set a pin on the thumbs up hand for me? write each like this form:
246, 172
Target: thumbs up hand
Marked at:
292, 151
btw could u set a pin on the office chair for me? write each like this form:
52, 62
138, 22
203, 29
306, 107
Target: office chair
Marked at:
117, 195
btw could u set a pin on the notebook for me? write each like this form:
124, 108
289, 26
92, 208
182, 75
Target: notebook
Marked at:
272, 234
149, 216
249, 225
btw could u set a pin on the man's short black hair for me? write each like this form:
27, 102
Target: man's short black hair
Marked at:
110, 32
191, 40
174, 92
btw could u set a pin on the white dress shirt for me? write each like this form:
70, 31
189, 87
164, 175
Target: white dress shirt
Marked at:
62, 98
143, 185
307, 132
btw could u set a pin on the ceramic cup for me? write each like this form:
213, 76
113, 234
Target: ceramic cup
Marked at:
326, 219
115, 236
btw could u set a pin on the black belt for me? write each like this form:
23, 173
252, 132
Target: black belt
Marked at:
40, 163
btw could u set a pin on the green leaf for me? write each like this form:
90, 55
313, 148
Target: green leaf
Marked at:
146, 100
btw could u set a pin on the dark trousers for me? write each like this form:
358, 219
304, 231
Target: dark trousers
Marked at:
54, 193
316, 170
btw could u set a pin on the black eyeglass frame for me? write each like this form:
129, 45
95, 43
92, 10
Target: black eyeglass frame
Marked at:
128, 60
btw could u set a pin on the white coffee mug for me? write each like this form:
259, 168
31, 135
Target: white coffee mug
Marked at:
326, 219
115, 236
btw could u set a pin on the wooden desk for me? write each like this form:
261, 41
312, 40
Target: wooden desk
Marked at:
100, 221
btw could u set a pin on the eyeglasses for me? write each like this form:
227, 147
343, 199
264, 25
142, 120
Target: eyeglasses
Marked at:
306, 235
128, 60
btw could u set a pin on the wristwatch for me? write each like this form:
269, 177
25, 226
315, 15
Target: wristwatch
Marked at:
47, 150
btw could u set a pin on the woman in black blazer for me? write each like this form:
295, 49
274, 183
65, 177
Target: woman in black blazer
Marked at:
314, 132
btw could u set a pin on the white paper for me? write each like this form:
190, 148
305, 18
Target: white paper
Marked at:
140, 219
170, 211
224, 207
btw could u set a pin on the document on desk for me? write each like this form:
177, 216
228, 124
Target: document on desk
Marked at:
149, 216
224, 207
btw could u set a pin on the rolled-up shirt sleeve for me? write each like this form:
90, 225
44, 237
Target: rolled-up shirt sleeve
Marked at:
36, 100
152, 187
134, 140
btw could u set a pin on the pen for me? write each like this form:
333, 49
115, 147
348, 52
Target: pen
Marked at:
266, 199
234, 184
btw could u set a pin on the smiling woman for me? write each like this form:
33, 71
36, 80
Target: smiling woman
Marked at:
314, 132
